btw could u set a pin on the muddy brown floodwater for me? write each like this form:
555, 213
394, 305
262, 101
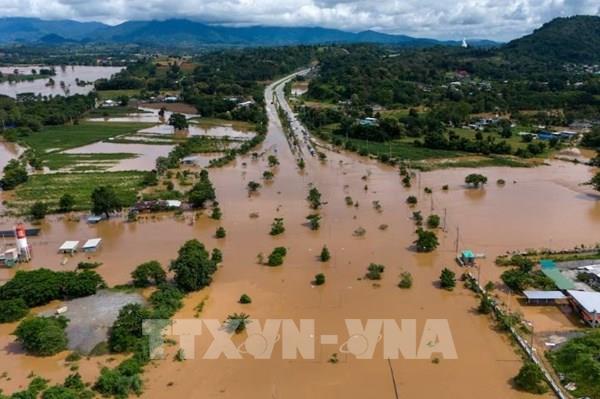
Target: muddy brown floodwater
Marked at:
538, 207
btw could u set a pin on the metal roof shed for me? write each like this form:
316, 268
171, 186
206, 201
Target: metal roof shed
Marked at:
543, 297
68, 247
590, 301
92, 244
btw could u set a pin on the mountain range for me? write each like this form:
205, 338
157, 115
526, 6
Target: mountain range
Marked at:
181, 33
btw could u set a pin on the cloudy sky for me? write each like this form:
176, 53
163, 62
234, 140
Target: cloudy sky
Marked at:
444, 19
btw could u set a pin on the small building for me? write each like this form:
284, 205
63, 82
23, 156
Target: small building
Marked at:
467, 258
544, 297
245, 104
568, 134
171, 99
369, 121
548, 135
93, 219
69, 247
587, 304
92, 245
109, 104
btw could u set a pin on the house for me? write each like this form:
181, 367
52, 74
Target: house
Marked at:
109, 104
171, 99
369, 121
92, 245
548, 135
587, 304
245, 104
467, 258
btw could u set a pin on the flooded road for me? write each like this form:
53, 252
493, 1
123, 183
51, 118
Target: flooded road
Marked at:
68, 75
8, 151
537, 207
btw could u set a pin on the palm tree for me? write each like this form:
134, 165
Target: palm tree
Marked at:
237, 322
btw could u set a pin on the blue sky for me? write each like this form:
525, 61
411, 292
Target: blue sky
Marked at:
444, 19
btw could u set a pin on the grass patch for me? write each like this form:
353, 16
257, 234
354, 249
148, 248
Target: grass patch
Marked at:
404, 149
59, 138
59, 160
50, 187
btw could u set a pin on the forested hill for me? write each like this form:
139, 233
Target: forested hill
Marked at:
186, 33
573, 39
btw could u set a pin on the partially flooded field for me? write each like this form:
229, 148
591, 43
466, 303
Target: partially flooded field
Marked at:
537, 207
65, 80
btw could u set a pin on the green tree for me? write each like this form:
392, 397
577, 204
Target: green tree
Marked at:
596, 182
193, 268
427, 241
485, 304
277, 256
245, 299
319, 279
253, 186
273, 161
411, 200
66, 203
406, 280
268, 175
178, 121
126, 331
216, 255
42, 336
14, 174
476, 180
237, 322
325, 255
220, 233
433, 221
530, 378
314, 198
105, 201
314, 221
447, 279
202, 192
12, 310
148, 273
38, 210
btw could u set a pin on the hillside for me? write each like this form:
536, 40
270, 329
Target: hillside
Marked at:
573, 39
180, 32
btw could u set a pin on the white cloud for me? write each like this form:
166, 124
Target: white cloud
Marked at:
493, 19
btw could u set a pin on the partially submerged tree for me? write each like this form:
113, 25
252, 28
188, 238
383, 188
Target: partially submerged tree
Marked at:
105, 201
426, 241
273, 161
325, 255
314, 221
253, 186
193, 267
406, 280
447, 279
531, 378
319, 279
66, 203
374, 271
277, 227
148, 273
237, 322
42, 336
277, 256
314, 198
476, 180
178, 121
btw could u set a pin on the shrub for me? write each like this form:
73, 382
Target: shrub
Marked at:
166, 301
42, 336
476, 180
314, 221
530, 378
66, 203
277, 227
374, 271
12, 310
406, 280
148, 273
216, 213
113, 382
245, 299
319, 279
276, 257
411, 200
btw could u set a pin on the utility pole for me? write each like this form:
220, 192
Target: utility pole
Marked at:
445, 229
457, 238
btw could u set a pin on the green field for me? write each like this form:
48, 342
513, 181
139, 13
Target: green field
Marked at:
58, 138
97, 161
115, 94
50, 187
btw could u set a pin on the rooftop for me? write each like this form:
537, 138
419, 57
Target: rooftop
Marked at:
590, 301
561, 281
544, 295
